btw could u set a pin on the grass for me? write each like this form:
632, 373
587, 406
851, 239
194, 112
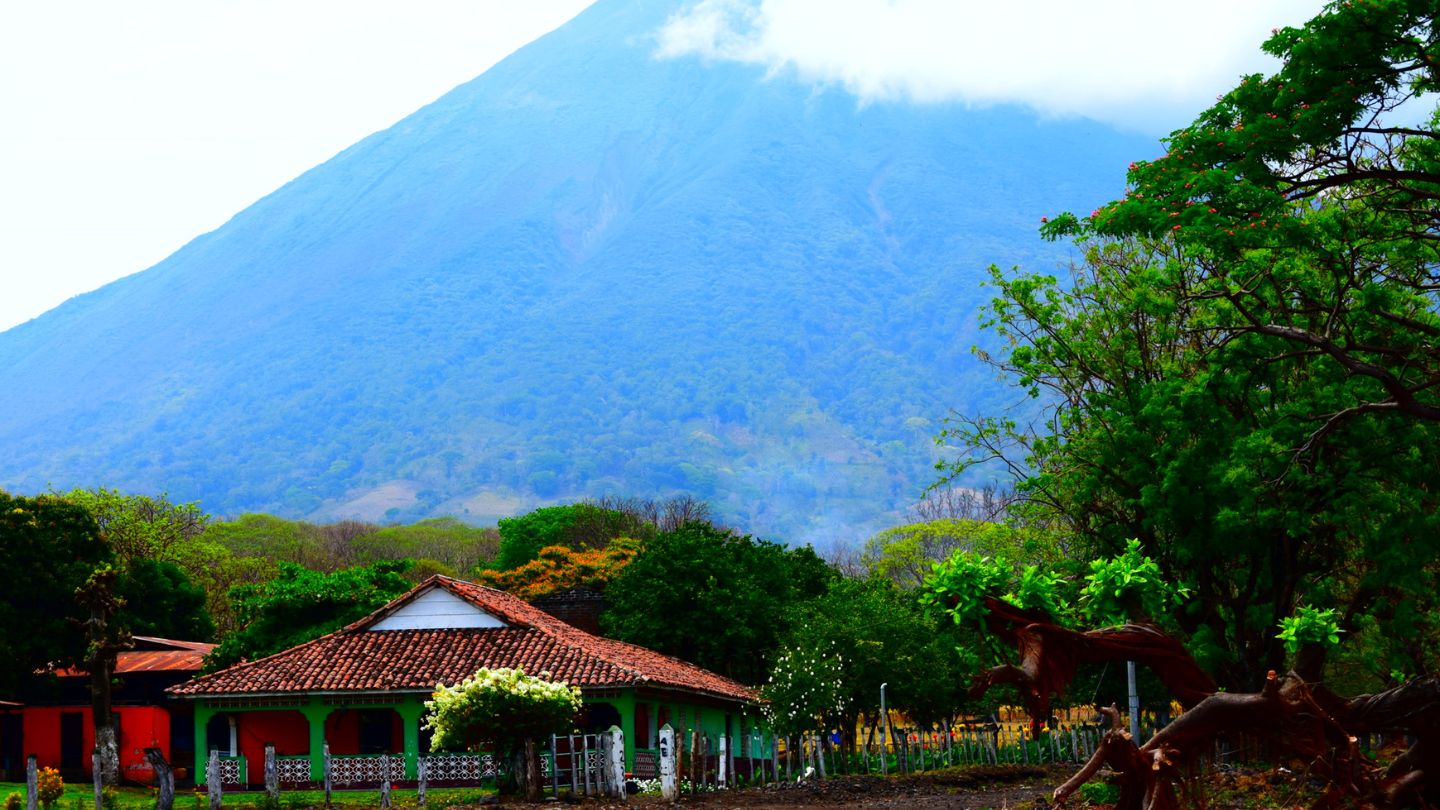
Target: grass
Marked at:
82, 797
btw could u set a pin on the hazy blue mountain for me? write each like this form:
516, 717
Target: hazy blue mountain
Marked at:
587, 271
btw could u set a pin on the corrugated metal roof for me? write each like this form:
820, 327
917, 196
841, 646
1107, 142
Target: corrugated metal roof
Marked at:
173, 656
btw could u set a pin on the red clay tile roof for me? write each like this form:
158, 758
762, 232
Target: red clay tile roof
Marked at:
154, 655
355, 659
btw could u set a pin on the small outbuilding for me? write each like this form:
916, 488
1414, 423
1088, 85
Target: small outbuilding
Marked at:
53, 721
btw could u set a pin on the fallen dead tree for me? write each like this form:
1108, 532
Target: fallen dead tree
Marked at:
1049, 655
1299, 720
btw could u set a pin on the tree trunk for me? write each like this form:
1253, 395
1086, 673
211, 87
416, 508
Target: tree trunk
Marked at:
532, 771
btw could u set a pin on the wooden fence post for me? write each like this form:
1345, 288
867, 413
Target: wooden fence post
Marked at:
585, 760
694, 744
385, 781
722, 764
669, 785
554, 766
326, 771
32, 784
422, 768
164, 779
775, 757
574, 768
272, 774
212, 780
615, 762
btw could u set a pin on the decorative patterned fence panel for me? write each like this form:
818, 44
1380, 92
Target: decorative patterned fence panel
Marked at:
647, 764
462, 769
293, 770
232, 770
348, 770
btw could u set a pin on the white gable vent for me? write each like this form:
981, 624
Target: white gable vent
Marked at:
436, 609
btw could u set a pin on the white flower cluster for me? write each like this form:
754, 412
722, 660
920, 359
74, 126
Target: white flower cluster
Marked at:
499, 705
651, 787
805, 685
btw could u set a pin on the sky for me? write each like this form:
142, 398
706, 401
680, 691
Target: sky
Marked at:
128, 129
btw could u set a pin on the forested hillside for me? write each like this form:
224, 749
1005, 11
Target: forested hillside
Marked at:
589, 271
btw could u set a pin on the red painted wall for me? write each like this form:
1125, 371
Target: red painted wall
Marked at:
141, 727
342, 730
288, 730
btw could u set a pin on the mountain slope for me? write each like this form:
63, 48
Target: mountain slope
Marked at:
587, 271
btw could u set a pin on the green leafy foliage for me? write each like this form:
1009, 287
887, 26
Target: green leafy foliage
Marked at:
575, 526
1241, 373
1310, 625
48, 547
159, 600
806, 688
1126, 587
301, 604
712, 596
960, 585
905, 554
879, 634
500, 708
143, 526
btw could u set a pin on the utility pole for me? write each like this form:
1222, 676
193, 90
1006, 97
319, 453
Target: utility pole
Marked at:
884, 733
1134, 704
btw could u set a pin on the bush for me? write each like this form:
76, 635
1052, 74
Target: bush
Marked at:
49, 786
503, 706
1100, 793
14, 801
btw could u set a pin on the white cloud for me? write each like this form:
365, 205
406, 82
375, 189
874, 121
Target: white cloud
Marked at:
1150, 64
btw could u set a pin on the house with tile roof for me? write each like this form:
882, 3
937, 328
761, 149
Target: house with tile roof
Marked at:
53, 719
362, 689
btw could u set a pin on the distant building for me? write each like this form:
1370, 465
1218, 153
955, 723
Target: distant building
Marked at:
578, 607
362, 688
54, 724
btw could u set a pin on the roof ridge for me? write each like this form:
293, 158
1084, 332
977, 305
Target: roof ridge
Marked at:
547, 624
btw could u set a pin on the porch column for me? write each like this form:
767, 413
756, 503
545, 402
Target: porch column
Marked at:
315, 713
203, 713
410, 711
625, 704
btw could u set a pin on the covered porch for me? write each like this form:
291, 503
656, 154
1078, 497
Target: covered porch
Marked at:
359, 729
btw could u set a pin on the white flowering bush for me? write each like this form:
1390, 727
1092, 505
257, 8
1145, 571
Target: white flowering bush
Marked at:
806, 685
652, 787
502, 707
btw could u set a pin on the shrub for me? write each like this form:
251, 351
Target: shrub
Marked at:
503, 706
49, 786
13, 801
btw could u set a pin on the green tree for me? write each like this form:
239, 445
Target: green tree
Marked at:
143, 526
48, 547
300, 605
905, 554
575, 526
879, 634
712, 596
1245, 371
455, 545
806, 690
1310, 204
160, 600
1167, 431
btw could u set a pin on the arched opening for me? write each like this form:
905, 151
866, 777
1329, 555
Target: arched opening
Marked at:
600, 716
